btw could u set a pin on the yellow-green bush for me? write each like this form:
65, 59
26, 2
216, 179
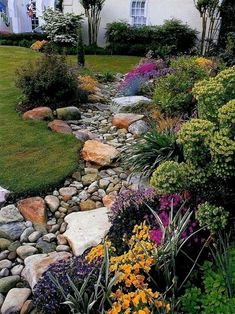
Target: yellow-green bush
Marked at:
196, 175
169, 177
195, 136
213, 93
226, 117
222, 150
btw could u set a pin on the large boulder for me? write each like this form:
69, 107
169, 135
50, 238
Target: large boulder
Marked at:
60, 126
124, 120
33, 209
99, 153
15, 300
12, 230
35, 265
40, 113
127, 104
68, 113
86, 229
3, 195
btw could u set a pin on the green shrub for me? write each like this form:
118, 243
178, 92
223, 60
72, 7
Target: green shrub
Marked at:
197, 176
173, 37
169, 177
213, 218
49, 82
213, 93
195, 136
222, 150
22, 39
173, 92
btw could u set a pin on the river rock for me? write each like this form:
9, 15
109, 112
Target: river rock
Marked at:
4, 193
25, 251
40, 113
36, 265
138, 128
8, 283
124, 104
124, 120
68, 113
52, 202
79, 235
99, 153
10, 214
33, 209
87, 205
12, 231
60, 126
4, 243
15, 300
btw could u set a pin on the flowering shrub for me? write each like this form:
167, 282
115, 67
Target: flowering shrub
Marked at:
205, 63
226, 117
212, 217
88, 84
169, 177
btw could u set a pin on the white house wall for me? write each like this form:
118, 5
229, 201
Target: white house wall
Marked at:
157, 12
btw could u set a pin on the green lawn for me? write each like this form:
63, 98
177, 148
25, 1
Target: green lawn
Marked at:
32, 158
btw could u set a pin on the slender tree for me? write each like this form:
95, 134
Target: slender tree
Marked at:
93, 10
210, 15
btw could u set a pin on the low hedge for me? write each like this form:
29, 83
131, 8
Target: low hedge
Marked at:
171, 38
22, 39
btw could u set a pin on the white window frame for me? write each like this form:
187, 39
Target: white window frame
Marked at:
140, 16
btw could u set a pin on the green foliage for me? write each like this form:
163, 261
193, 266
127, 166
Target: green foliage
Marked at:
197, 176
226, 117
222, 150
195, 136
213, 93
172, 94
152, 149
169, 177
173, 37
212, 217
21, 39
49, 81
212, 298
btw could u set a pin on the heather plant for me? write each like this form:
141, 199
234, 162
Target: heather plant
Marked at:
151, 149
48, 298
211, 217
169, 177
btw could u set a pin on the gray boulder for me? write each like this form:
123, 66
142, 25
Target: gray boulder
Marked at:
127, 104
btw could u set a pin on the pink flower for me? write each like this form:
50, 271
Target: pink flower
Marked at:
156, 236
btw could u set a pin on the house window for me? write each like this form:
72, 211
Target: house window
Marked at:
138, 12
32, 12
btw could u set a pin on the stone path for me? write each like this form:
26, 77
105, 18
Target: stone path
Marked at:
38, 231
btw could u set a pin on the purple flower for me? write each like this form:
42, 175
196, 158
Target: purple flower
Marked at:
156, 236
167, 201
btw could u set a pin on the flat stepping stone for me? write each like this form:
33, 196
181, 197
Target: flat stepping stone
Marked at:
86, 229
